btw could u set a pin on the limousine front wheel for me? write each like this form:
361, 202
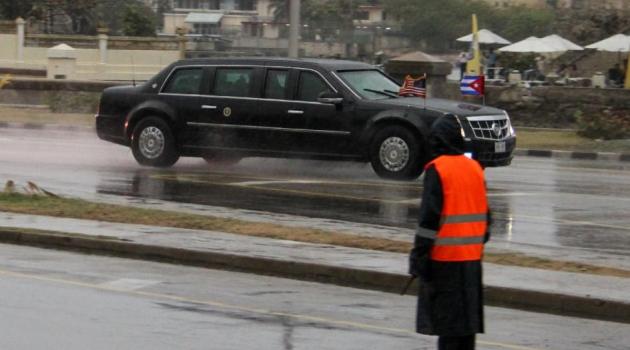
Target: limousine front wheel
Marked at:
153, 144
394, 154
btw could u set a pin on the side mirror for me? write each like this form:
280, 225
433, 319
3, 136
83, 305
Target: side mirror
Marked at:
330, 97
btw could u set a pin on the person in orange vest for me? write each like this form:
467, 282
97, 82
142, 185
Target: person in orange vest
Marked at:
448, 246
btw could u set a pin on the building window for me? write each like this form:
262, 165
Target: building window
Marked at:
205, 28
198, 4
362, 15
245, 5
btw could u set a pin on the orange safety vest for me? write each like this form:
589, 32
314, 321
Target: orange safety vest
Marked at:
464, 212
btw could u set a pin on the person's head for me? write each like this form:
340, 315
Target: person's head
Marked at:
446, 136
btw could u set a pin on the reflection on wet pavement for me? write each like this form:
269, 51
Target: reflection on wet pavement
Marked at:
536, 201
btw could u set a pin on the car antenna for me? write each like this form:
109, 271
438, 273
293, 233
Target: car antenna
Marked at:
133, 71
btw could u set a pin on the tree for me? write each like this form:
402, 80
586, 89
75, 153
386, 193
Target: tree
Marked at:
437, 22
12, 9
518, 23
330, 18
138, 20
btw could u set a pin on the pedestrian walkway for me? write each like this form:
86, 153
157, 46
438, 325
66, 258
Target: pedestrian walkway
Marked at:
582, 294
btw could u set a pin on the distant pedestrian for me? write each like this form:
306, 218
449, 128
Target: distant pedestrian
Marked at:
615, 76
541, 68
448, 246
491, 63
462, 61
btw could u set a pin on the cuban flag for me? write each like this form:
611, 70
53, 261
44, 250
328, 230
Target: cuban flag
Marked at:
472, 85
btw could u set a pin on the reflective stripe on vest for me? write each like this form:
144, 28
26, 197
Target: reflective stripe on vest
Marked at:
464, 212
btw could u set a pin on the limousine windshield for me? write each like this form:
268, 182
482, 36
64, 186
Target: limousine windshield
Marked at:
370, 84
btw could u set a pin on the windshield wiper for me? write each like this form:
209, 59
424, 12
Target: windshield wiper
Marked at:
387, 93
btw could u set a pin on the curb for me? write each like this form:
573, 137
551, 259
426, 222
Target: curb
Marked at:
38, 126
606, 156
387, 282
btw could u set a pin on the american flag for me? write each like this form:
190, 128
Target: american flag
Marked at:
414, 87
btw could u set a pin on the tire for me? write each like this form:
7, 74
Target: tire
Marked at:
396, 153
153, 144
221, 159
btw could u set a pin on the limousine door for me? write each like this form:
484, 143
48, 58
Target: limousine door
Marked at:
325, 127
227, 111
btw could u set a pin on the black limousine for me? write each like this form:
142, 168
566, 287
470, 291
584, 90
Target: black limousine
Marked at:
226, 109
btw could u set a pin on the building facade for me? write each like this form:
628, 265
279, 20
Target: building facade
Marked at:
222, 17
575, 4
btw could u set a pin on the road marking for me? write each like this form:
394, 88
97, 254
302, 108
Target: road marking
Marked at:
128, 284
563, 221
512, 194
275, 182
218, 304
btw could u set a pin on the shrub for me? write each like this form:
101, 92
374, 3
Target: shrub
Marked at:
72, 102
609, 124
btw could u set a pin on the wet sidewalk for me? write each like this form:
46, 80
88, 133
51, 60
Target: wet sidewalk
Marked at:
534, 289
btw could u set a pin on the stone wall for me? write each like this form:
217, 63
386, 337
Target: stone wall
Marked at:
7, 27
113, 43
548, 106
59, 95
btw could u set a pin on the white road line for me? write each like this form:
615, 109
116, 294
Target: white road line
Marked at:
128, 284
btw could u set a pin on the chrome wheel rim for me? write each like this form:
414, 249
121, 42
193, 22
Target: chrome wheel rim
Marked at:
151, 142
394, 154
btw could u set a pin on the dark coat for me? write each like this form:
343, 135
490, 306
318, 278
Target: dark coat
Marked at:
450, 300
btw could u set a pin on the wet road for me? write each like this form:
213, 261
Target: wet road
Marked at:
536, 201
59, 300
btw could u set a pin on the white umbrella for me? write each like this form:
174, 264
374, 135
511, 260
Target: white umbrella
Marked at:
616, 43
561, 43
485, 37
531, 44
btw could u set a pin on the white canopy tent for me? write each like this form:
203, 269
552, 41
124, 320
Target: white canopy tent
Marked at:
485, 37
561, 43
530, 45
615, 43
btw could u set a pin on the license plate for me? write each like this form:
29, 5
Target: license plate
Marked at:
499, 147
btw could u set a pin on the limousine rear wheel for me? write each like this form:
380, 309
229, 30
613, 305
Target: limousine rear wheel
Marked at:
153, 144
394, 153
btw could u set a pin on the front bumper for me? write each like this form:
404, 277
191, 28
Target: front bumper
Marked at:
484, 152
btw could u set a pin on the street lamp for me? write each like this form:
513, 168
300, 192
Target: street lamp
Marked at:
294, 29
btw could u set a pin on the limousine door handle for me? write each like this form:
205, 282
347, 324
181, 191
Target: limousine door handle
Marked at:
295, 111
208, 107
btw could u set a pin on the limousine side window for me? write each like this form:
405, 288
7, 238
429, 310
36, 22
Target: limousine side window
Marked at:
311, 86
233, 82
276, 84
184, 81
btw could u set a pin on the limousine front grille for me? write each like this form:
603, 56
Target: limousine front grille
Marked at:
490, 128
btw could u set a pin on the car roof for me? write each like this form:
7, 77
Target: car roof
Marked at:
328, 64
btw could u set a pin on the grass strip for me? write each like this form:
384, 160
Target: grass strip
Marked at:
81, 209
38, 116
567, 140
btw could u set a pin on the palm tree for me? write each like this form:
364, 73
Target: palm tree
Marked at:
280, 9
